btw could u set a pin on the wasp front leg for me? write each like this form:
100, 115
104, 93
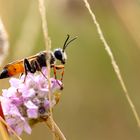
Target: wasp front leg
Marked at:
58, 67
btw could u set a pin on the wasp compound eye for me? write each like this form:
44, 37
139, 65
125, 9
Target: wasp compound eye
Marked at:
58, 54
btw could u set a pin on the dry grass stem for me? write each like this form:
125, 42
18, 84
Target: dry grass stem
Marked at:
3, 121
57, 131
4, 44
114, 64
42, 10
3, 131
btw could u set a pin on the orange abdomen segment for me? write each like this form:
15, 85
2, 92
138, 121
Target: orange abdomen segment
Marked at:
14, 69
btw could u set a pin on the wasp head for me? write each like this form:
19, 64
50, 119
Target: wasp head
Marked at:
60, 53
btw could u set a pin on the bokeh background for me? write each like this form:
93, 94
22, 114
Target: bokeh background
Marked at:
93, 105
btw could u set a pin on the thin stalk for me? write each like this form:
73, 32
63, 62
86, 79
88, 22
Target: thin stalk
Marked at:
3, 131
113, 61
42, 10
58, 133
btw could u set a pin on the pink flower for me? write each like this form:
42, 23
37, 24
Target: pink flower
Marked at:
13, 117
23, 102
32, 109
18, 124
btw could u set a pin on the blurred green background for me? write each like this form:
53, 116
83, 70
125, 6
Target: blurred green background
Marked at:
93, 105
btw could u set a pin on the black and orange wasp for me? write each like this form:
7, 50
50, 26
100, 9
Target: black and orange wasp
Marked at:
36, 62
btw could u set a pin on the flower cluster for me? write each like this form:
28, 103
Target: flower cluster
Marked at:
26, 102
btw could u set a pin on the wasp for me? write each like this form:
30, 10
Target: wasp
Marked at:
36, 62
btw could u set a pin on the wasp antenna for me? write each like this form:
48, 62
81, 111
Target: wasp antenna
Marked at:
71, 41
64, 46
67, 43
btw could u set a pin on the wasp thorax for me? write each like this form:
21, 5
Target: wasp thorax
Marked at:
60, 55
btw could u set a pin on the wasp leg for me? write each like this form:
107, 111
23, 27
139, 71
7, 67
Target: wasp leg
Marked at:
36, 66
62, 74
27, 68
54, 71
20, 75
58, 67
